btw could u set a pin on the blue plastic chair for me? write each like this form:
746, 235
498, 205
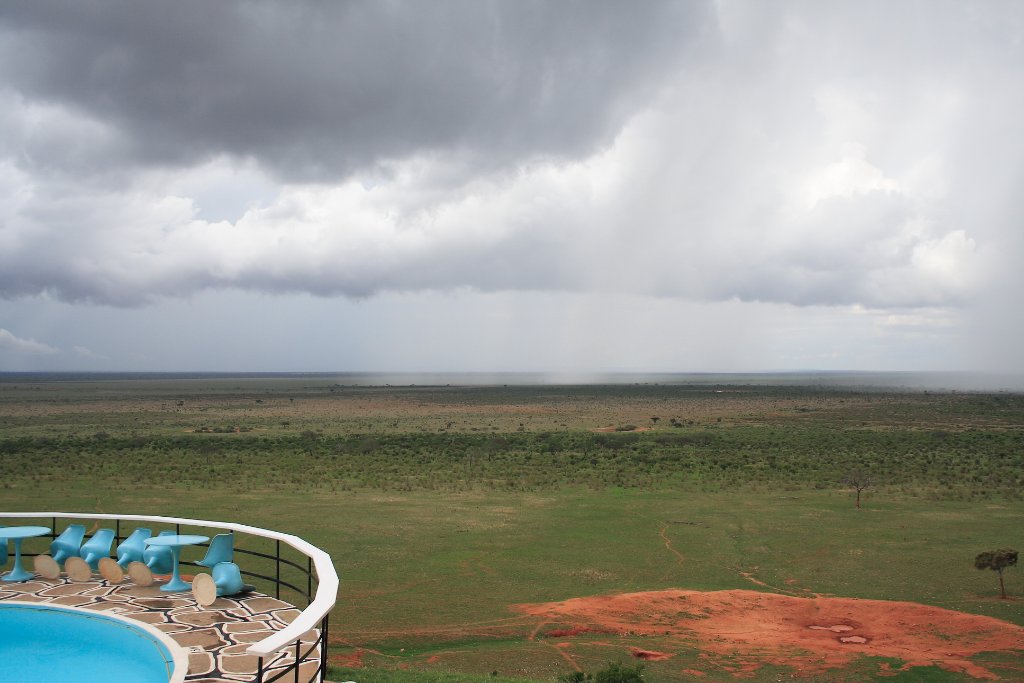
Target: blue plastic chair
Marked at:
132, 548
222, 549
228, 578
226, 581
96, 547
159, 559
67, 544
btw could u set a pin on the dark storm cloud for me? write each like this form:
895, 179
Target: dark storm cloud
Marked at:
851, 167
801, 153
315, 90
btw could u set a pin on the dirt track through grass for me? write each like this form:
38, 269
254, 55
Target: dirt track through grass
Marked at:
668, 543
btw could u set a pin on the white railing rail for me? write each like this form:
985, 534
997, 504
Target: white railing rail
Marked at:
327, 578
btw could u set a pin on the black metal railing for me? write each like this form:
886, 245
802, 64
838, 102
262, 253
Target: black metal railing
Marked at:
270, 673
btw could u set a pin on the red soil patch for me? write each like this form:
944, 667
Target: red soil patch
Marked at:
562, 633
811, 634
651, 655
353, 660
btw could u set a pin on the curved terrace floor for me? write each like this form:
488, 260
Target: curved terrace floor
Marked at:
215, 637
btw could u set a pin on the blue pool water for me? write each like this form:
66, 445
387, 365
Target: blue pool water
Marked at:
44, 643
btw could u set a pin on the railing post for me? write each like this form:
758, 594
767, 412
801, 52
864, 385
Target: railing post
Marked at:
323, 650
309, 580
259, 672
277, 584
298, 653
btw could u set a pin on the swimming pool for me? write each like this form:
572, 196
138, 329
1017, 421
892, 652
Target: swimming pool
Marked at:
46, 643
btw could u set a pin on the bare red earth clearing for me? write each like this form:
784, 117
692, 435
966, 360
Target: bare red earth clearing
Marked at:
809, 634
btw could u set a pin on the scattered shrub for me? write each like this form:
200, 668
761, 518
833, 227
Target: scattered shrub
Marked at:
614, 673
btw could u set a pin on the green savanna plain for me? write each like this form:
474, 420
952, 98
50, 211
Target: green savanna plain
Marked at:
443, 507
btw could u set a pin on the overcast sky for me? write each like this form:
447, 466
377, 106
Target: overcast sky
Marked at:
540, 186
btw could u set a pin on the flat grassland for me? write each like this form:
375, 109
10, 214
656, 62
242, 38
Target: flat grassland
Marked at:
530, 531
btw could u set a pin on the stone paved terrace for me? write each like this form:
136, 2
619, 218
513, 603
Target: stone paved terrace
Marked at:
216, 637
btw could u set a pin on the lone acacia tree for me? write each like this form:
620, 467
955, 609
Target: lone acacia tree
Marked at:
997, 561
858, 480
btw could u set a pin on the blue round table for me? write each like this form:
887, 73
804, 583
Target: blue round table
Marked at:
175, 543
18, 534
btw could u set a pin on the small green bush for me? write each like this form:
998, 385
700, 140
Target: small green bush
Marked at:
615, 672
575, 677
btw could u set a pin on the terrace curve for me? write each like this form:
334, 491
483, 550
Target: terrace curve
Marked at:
294, 635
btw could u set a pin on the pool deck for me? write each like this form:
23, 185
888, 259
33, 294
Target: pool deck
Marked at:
216, 637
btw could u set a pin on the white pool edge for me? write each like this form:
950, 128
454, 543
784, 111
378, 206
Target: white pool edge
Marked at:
179, 656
